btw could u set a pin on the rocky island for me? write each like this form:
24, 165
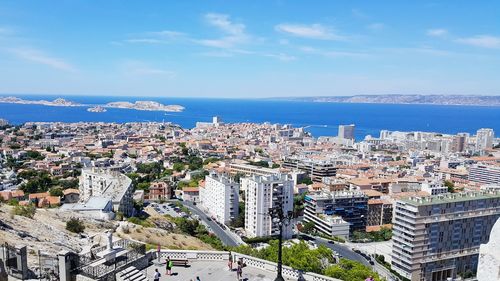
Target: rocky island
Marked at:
97, 109
138, 105
56, 102
145, 105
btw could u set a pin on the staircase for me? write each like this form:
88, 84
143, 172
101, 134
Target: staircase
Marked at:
131, 274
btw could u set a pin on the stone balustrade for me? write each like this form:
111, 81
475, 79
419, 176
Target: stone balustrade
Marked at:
261, 264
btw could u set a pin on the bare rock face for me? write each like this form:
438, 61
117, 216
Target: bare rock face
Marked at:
163, 224
488, 268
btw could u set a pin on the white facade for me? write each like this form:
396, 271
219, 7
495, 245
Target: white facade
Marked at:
261, 193
107, 184
484, 139
484, 174
434, 188
331, 225
220, 197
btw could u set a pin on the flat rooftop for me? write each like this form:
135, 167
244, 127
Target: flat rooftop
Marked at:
210, 271
451, 197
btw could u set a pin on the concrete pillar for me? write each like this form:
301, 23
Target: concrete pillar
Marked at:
64, 261
22, 260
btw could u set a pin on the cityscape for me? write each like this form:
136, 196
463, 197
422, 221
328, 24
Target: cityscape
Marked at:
249, 140
401, 206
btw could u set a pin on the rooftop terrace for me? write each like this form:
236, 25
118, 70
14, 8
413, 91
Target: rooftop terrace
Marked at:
451, 197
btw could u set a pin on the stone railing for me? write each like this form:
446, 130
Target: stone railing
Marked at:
248, 260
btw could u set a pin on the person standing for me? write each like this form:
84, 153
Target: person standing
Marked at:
239, 269
169, 266
157, 275
230, 262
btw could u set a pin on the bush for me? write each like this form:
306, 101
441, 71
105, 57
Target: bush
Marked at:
140, 221
75, 225
25, 211
56, 191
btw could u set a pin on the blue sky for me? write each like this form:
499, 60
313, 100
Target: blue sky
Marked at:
259, 48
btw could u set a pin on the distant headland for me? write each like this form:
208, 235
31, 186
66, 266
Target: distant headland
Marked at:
405, 99
138, 105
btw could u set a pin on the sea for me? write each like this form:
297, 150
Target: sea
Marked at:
320, 119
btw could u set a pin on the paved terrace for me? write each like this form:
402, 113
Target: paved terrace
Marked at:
212, 266
210, 271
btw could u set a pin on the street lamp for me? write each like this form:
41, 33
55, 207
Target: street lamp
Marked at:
277, 215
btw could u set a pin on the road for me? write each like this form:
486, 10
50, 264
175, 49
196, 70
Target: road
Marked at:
342, 250
225, 237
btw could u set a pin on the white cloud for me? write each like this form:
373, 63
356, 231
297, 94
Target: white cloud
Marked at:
437, 32
234, 33
157, 37
483, 41
135, 67
376, 26
334, 54
224, 23
281, 57
145, 41
37, 56
312, 31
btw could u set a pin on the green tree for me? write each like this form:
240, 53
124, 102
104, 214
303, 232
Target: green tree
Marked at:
75, 225
348, 270
240, 220
450, 185
305, 180
56, 191
178, 166
308, 227
143, 186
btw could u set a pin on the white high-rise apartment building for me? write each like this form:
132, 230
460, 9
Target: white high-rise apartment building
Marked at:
346, 131
220, 197
262, 193
484, 139
484, 174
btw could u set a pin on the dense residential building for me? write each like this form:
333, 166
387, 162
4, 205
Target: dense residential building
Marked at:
346, 131
434, 188
315, 168
261, 194
379, 212
484, 139
248, 169
484, 174
220, 197
107, 185
438, 237
159, 190
351, 206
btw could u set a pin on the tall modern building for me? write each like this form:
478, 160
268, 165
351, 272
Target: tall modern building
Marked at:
459, 142
484, 174
262, 193
438, 237
220, 197
346, 131
484, 139
351, 206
